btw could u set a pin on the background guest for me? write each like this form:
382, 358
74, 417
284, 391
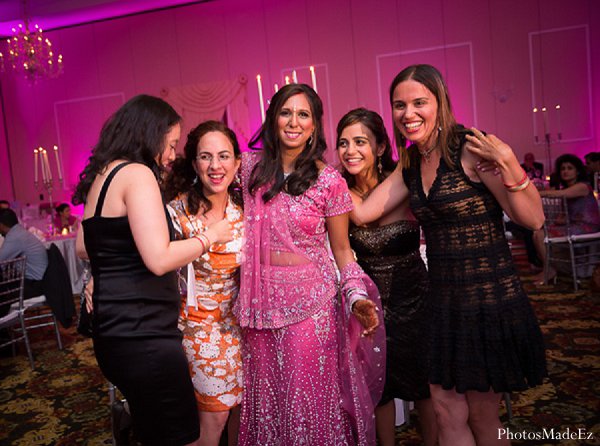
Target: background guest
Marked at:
532, 167
63, 218
592, 166
126, 234
20, 242
202, 189
584, 217
4, 204
388, 250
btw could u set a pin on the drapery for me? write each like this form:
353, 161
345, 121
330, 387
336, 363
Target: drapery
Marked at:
197, 103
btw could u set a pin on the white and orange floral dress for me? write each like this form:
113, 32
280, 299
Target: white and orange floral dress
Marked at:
211, 335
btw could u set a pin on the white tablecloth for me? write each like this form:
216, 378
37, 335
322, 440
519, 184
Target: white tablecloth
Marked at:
75, 265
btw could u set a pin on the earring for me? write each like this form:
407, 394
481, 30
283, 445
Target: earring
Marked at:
309, 141
195, 180
439, 128
379, 166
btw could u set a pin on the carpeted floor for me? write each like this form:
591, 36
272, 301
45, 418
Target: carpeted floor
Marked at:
65, 400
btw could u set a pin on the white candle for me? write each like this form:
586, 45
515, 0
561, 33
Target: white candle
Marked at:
287, 80
535, 135
48, 171
294, 76
276, 88
558, 119
260, 98
58, 166
42, 165
545, 115
35, 166
313, 78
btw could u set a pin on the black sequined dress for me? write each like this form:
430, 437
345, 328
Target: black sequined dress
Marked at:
484, 332
390, 255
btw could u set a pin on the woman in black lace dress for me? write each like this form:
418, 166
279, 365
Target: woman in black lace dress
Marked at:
388, 251
485, 337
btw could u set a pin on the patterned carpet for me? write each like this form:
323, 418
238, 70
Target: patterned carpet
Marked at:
65, 400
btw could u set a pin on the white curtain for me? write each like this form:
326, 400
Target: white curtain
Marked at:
212, 100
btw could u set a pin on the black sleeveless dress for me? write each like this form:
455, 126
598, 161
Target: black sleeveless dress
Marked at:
390, 255
136, 340
484, 332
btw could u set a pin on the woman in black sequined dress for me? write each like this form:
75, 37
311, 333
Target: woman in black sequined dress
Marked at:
485, 338
388, 251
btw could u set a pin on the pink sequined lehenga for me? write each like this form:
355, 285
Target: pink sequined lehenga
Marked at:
302, 382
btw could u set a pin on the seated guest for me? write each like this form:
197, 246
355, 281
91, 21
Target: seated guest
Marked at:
584, 217
20, 242
63, 218
592, 165
532, 167
4, 204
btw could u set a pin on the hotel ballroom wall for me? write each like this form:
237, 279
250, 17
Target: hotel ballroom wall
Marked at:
500, 58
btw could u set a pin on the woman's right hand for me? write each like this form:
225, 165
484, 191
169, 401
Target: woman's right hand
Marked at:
220, 232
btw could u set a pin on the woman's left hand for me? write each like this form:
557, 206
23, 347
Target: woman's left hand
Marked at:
488, 147
366, 312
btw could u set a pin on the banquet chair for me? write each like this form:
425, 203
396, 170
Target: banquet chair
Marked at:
578, 251
12, 284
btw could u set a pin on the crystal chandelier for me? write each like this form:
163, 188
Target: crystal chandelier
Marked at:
30, 54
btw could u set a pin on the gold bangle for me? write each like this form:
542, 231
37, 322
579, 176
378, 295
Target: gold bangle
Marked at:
519, 187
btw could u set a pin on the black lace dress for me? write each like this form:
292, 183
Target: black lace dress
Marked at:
484, 332
390, 255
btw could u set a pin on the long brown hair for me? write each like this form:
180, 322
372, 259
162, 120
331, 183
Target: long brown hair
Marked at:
428, 76
374, 123
269, 170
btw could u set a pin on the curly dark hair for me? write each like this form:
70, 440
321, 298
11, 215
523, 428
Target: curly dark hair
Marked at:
135, 132
372, 121
448, 138
269, 169
183, 177
577, 163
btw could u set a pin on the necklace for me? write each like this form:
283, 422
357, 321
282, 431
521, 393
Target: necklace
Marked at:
426, 154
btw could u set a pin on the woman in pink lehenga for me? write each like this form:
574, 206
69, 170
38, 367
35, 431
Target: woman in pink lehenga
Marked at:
301, 346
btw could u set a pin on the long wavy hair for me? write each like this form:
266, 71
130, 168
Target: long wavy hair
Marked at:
374, 123
269, 170
183, 178
135, 132
577, 163
448, 138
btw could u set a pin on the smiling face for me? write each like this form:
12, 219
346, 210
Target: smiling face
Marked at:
415, 112
357, 150
167, 156
295, 123
216, 164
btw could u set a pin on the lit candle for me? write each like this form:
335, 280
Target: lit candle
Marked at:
260, 98
287, 80
545, 115
558, 120
294, 76
313, 78
535, 135
48, 171
58, 166
42, 165
276, 88
35, 166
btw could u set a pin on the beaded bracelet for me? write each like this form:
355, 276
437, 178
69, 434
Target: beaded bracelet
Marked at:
520, 183
519, 187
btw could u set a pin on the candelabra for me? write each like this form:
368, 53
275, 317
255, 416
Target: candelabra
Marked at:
547, 133
40, 158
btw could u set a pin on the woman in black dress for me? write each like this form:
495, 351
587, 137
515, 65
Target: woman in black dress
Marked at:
126, 236
485, 337
388, 251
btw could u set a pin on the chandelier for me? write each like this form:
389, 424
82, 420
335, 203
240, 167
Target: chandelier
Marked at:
31, 54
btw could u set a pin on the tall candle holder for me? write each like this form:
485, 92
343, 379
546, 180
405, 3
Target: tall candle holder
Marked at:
548, 140
41, 159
